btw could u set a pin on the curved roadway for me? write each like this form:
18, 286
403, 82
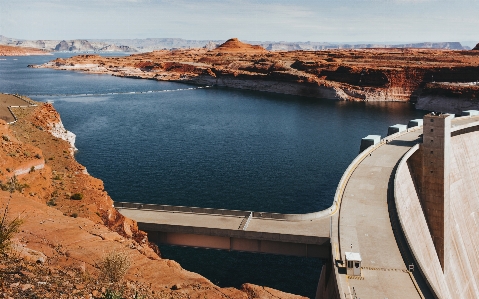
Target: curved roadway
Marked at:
363, 225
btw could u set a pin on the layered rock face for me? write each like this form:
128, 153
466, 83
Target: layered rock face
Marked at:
449, 97
355, 75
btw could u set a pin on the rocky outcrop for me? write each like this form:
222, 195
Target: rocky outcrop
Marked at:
449, 97
47, 117
353, 75
74, 46
476, 48
18, 51
234, 45
62, 46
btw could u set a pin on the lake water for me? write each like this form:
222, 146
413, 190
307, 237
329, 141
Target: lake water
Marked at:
211, 147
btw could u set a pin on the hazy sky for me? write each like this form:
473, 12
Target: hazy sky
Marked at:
308, 20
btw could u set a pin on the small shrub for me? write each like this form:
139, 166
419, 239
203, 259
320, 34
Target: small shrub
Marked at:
114, 266
9, 170
7, 230
13, 185
51, 203
32, 169
5, 137
74, 215
50, 159
77, 196
38, 156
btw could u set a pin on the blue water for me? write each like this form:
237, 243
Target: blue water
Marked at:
212, 147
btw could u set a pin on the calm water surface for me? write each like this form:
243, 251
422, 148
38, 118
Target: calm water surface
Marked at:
220, 148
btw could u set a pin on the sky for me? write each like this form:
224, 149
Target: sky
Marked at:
352, 21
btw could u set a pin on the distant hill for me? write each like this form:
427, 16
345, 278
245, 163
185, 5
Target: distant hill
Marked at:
234, 45
66, 45
20, 51
151, 44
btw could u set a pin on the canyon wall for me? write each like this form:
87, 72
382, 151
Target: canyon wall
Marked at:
352, 75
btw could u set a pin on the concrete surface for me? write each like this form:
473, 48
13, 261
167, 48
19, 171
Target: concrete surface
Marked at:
460, 276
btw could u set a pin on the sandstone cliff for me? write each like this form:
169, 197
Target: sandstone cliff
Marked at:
70, 224
355, 75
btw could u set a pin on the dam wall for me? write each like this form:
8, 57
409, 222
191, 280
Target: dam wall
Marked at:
460, 277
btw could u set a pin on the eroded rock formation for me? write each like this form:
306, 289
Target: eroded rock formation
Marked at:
355, 75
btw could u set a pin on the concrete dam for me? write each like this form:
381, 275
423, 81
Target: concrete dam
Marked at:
403, 224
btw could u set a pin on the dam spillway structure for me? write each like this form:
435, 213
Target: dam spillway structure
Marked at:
407, 206
438, 203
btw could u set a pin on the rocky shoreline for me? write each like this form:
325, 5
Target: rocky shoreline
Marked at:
351, 75
17, 51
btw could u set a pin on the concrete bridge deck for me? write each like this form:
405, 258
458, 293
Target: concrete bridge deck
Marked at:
232, 230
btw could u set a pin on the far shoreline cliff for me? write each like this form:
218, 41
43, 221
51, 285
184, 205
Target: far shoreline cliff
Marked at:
351, 75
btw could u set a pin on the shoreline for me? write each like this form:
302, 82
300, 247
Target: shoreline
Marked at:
349, 75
